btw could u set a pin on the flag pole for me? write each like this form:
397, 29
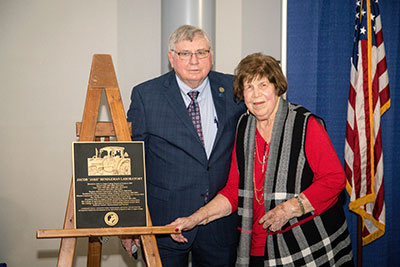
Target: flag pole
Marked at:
359, 241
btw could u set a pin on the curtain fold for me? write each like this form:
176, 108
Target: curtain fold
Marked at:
319, 46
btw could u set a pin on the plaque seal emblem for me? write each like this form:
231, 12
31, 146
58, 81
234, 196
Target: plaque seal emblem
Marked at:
111, 218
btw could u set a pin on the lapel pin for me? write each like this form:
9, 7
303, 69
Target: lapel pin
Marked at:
221, 91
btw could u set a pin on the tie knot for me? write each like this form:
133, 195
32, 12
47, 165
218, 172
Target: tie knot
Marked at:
193, 95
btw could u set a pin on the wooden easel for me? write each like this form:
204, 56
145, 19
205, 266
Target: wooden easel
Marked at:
102, 77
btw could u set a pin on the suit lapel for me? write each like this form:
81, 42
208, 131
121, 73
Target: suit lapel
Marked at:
174, 97
218, 94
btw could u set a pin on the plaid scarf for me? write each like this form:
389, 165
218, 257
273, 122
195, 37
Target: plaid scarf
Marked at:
307, 240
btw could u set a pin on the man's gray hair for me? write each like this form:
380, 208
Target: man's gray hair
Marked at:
186, 33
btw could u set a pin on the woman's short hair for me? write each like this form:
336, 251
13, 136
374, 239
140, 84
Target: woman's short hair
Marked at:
186, 33
258, 66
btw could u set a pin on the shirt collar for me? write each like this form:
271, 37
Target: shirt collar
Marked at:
186, 89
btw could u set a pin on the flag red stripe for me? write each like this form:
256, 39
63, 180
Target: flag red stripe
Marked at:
356, 162
352, 97
384, 95
375, 91
381, 67
367, 130
379, 38
378, 147
379, 200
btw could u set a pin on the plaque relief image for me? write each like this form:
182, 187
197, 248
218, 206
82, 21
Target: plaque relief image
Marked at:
110, 160
109, 184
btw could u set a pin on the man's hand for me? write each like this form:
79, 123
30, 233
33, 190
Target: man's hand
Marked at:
128, 241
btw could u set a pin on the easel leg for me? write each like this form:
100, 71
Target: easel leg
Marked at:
94, 252
67, 246
150, 250
149, 246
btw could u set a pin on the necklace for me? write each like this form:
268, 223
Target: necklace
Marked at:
265, 157
263, 162
258, 199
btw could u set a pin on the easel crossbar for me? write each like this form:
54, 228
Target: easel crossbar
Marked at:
117, 231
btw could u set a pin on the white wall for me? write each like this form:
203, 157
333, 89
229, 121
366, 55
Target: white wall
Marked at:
46, 48
245, 27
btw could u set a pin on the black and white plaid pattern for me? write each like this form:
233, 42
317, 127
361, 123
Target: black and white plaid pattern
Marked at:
318, 240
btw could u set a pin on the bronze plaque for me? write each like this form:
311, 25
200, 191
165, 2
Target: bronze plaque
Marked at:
109, 184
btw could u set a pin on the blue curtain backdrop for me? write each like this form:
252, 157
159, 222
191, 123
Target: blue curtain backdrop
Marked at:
320, 42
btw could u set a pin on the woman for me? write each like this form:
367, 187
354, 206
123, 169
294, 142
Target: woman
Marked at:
285, 179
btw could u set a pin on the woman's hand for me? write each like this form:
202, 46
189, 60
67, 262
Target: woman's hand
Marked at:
218, 207
183, 224
280, 215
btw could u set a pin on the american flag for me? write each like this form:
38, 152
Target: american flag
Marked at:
369, 98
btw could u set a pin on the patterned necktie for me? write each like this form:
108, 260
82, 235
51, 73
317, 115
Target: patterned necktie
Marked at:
194, 112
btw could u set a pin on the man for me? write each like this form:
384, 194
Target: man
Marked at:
188, 162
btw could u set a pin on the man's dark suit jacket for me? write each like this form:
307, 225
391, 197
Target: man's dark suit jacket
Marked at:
179, 176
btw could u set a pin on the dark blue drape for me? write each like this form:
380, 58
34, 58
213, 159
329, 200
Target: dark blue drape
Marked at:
320, 42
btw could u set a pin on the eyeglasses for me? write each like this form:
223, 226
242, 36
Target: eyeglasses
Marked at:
185, 55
